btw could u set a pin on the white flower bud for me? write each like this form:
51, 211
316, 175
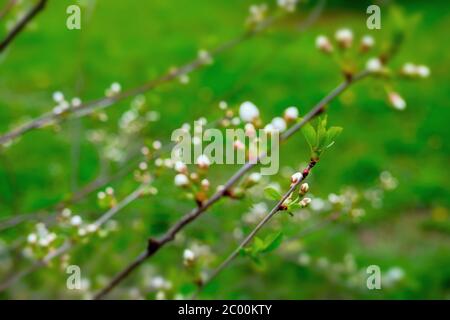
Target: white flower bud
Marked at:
324, 44
205, 184
76, 221
203, 161
58, 97
181, 180
409, 69
344, 37
248, 112
115, 87
305, 202
156, 145
296, 177
279, 124
101, 195
396, 101
291, 113
66, 212
32, 238
188, 256
92, 228
423, 71
223, 105
180, 167
109, 191
304, 188
239, 145
374, 65
367, 42
75, 102
143, 166
255, 177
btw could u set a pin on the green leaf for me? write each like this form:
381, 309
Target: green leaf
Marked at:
272, 241
332, 134
258, 245
310, 135
321, 134
271, 193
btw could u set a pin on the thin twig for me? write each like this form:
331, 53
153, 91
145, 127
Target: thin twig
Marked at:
277, 208
154, 245
22, 24
101, 103
69, 243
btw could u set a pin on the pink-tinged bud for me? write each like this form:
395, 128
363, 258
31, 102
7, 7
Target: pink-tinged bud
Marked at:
291, 114
305, 202
205, 184
396, 101
304, 188
367, 42
324, 44
203, 162
180, 167
250, 130
296, 177
239, 145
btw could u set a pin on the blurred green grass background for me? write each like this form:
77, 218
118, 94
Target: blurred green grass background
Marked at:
134, 41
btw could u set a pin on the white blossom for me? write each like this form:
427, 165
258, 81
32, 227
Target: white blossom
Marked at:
181, 180
76, 221
291, 113
279, 124
248, 112
344, 37
367, 42
58, 97
374, 65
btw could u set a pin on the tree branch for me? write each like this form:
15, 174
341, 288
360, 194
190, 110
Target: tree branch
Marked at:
22, 24
101, 103
261, 224
154, 245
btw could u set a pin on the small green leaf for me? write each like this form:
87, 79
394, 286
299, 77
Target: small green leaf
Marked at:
271, 193
332, 134
310, 135
272, 241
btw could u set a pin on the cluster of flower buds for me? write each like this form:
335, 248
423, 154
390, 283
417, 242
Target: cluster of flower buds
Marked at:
279, 124
196, 182
62, 105
412, 70
106, 199
75, 221
42, 237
